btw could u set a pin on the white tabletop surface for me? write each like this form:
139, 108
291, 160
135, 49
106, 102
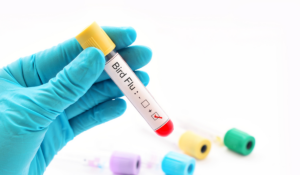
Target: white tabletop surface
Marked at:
224, 63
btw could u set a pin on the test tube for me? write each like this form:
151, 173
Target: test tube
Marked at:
234, 139
126, 80
127, 163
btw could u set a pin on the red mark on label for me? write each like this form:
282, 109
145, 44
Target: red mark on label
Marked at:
155, 116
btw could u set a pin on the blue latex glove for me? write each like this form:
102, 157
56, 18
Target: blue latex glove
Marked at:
50, 97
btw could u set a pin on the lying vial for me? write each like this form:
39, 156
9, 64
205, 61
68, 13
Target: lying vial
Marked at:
190, 143
120, 162
126, 80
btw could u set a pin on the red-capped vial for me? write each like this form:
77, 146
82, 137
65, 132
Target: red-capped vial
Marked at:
126, 80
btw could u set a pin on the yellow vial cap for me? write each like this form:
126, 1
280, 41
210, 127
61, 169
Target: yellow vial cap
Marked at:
194, 145
94, 36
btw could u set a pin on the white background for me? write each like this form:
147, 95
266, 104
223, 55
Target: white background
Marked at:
224, 63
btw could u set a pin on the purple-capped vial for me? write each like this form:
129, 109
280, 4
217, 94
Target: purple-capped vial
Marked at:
125, 163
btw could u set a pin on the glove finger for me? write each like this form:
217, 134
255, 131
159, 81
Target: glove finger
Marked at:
39, 68
121, 36
99, 93
135, 56
99, 114
71, 83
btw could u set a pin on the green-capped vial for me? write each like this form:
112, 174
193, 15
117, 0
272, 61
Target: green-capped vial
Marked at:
239, 141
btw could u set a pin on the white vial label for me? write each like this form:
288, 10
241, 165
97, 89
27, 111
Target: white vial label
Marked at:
136, 92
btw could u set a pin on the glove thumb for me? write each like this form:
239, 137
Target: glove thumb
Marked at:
72, 82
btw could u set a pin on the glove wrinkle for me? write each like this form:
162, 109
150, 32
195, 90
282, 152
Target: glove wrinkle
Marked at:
52, 144
6, 75
16, 69
35, 70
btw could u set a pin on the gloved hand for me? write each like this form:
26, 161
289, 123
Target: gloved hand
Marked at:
52, 96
